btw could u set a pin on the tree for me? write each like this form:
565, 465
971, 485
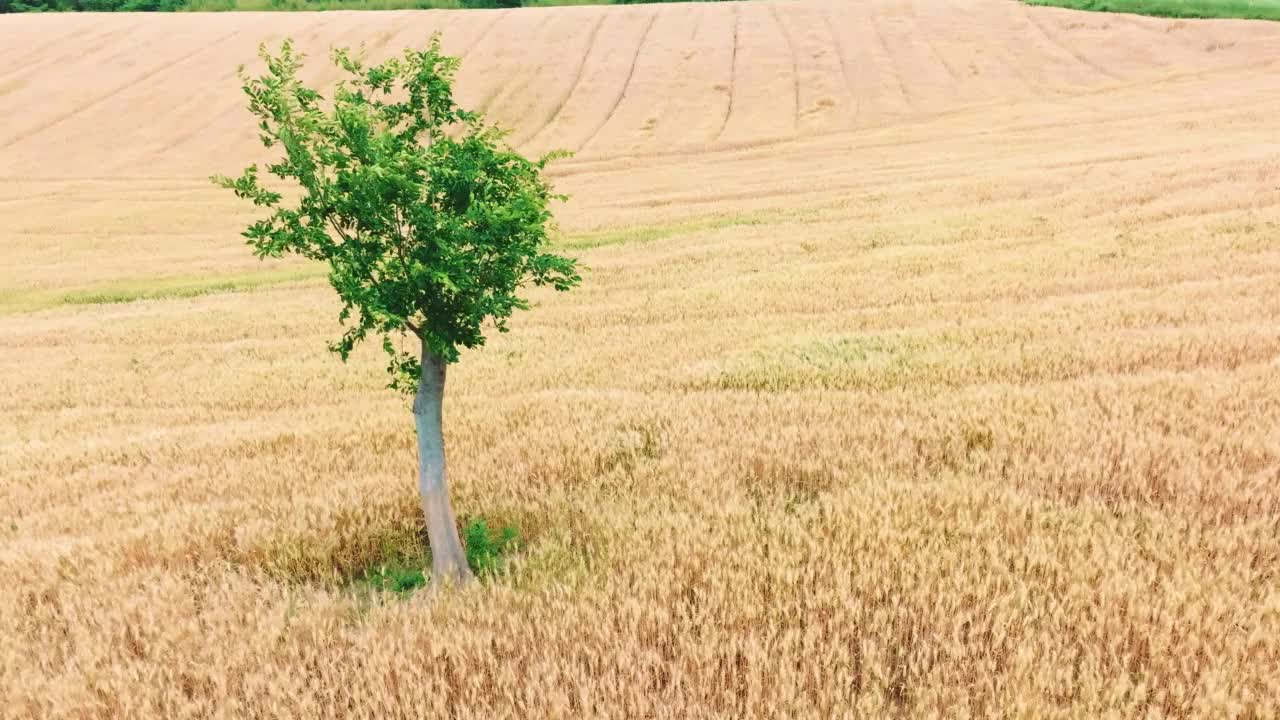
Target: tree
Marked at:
429, 223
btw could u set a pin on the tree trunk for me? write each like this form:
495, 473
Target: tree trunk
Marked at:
448, 561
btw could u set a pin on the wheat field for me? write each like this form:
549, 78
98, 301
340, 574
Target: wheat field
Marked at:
926, 365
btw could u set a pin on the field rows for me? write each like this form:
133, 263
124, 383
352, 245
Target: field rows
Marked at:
599, 81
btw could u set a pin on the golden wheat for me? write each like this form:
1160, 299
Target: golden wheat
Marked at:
925, 378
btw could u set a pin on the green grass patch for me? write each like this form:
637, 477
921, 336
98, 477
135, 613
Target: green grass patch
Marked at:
1235, 9
650, 233
405, 567
15, 301
156, 288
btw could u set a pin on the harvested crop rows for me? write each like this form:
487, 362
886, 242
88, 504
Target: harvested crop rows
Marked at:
927, 364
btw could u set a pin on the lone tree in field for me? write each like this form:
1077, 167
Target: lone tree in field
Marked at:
429, 223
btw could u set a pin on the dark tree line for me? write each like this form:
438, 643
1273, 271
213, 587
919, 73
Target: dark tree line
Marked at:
11, 6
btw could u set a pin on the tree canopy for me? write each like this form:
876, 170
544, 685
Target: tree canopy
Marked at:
430, 224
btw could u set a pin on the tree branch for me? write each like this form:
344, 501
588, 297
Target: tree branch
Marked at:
346, 239
400, 241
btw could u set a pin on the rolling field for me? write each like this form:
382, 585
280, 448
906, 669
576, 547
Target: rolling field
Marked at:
926, 364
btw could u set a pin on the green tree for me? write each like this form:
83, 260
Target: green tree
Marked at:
429, 223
